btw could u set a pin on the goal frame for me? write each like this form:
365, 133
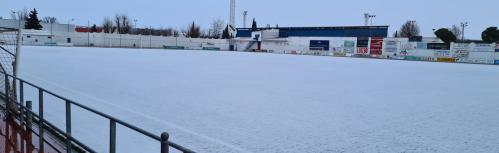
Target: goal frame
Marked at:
14, 53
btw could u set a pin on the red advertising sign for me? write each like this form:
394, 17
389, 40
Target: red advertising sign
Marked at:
376, 46
363, 50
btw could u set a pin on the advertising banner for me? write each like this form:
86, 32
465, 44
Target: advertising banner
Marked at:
422, 46
446, 60
338, 51
391, 47
349, 48
362, 51
461, 51
319, 45
484, 47
376, 46
482, 53
362, 42
438, 46
442, 54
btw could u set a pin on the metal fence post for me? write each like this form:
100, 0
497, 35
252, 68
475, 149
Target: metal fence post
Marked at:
29, 116
165, 146
41, 128
23, 115
7, 94
112, 136
29, 125
21, 99
68, 127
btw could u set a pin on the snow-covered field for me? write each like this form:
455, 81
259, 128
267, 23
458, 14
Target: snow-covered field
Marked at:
250, 102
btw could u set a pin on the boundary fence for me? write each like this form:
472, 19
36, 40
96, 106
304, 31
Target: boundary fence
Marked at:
16, 105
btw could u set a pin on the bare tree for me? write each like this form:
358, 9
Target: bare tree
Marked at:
20, 14
49, 19
456, 30
108, 26
122, 23
409, 29
216, 29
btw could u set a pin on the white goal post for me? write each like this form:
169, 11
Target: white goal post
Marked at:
10, 48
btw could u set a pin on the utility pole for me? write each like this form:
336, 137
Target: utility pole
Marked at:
69, 22
233, 13
135, 26
88, 33
232, 23
463, 25
150, 37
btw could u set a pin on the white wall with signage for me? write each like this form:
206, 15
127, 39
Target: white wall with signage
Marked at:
396, 47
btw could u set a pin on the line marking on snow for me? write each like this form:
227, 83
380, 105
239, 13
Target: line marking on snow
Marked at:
228, 145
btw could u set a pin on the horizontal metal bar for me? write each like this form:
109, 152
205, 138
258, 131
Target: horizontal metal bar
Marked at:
120, 122
59, 131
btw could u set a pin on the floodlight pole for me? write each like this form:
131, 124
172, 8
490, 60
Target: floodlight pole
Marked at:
69, 23
88, 34
463, 25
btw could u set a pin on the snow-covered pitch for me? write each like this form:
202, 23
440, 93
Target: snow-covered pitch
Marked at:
256, 102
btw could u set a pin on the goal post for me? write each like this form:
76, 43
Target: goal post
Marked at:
10, 48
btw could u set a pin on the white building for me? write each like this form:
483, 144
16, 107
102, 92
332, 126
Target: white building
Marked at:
54, 28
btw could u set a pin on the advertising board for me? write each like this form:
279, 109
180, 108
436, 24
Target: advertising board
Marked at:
482, 53
446, 60
349, 48
442, 54
438, 46
376, 47
461, 51
362, 51
319, 45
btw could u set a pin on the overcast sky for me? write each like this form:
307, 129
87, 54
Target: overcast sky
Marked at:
429, 14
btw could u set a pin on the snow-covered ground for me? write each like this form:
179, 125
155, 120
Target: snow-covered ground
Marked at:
250, 102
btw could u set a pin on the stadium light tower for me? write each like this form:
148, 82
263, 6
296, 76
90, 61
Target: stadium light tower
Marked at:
463, 25
69, 23
368, 17
245, 15
233, 13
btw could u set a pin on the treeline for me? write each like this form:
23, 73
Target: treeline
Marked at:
121, 24
448, 35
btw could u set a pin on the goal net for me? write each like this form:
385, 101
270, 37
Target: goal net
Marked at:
9, 51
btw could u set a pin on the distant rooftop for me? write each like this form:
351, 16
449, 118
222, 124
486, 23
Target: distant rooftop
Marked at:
328, 31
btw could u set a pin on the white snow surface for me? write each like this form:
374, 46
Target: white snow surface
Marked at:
255, 102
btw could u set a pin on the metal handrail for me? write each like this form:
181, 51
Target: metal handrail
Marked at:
163, 139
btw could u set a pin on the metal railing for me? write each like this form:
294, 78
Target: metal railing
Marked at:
27, 114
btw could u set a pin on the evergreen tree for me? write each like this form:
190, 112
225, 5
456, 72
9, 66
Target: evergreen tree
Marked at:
254, 26
32, 22
225, 33
93, 28
446, 35
490, 35
396, 34
194, 31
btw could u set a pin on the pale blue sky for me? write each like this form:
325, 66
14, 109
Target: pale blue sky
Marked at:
178, 13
